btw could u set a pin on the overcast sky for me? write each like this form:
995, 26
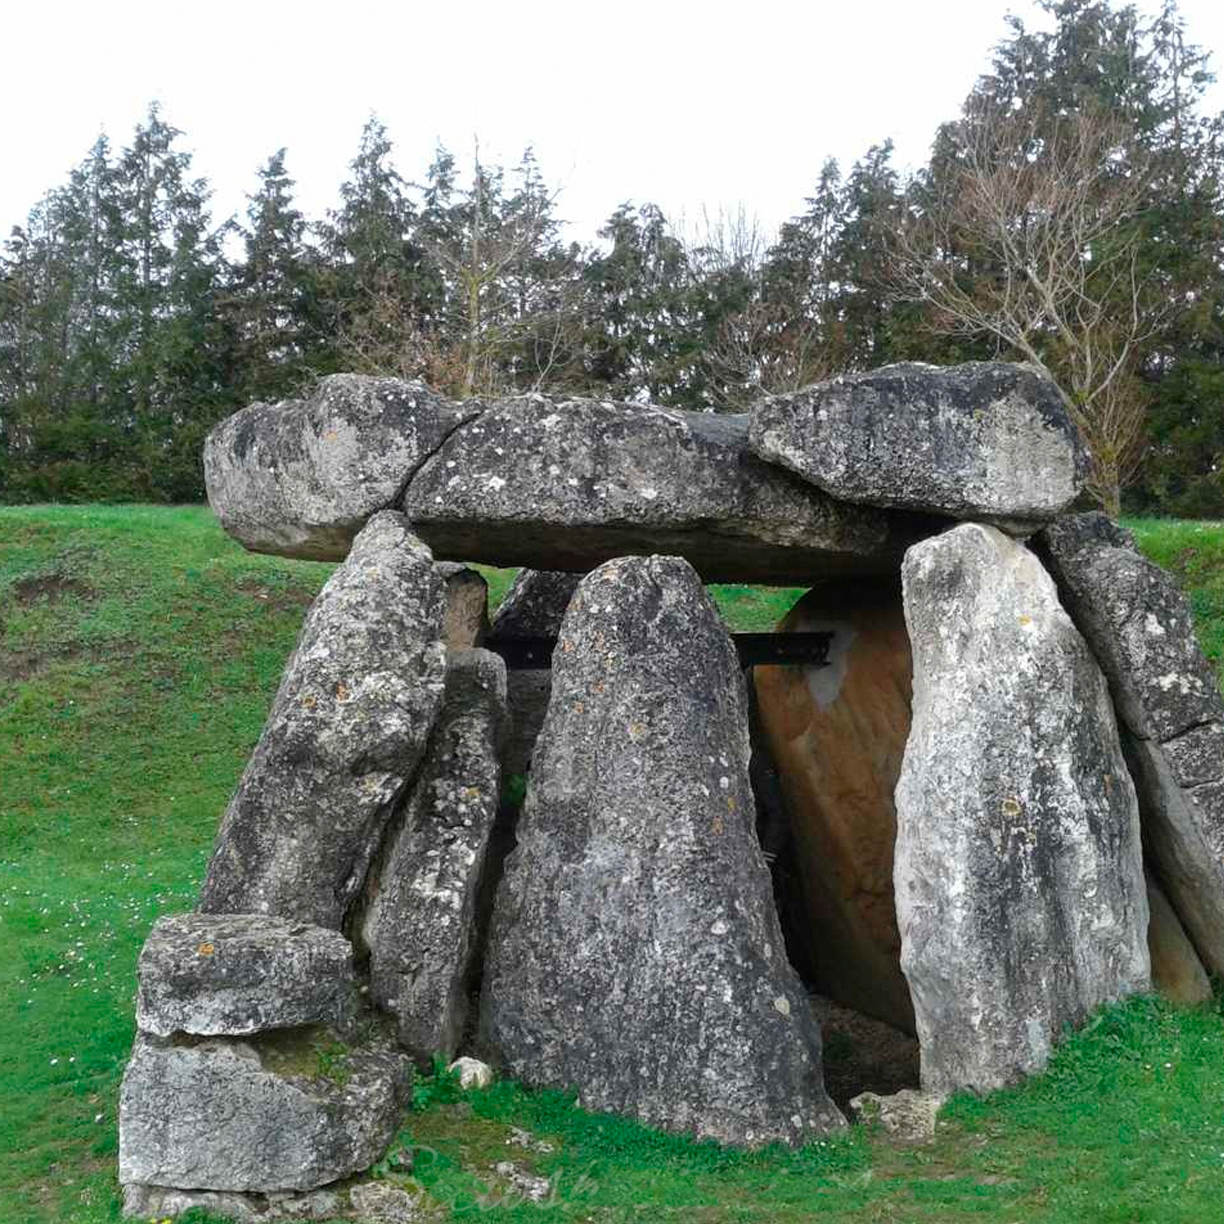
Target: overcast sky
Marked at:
687, 104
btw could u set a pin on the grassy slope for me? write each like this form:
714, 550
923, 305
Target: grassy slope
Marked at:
138, 652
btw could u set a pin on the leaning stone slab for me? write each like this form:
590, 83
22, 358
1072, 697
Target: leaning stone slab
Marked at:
284, 1111
1019, 880
301, 477
1142, 631
232, 974
346, 732
565, 484
635, 952
985, 440
419, 925
1177, 972
533, 607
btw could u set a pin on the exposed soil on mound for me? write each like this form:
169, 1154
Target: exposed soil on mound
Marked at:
51, 587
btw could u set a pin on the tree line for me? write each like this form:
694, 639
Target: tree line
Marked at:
1071, 215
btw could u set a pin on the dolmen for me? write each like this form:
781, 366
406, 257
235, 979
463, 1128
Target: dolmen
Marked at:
1001, 787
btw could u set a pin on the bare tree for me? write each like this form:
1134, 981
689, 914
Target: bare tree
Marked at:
1027, 234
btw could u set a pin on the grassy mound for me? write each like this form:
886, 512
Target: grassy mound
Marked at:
139, 650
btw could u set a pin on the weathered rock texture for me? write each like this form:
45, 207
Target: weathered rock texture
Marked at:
466, 621
569, 483
1177, 971
635, 949
231, 974
419, 924
986, 440
1019, 881
301, 477
533, 607
837, 736
257, 1114
346, 731
165, 1202
1142, 631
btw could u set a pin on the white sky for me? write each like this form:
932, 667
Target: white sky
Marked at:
686, 103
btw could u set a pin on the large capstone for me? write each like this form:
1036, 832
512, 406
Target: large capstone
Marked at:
231, 974
301, 477
347, 730
557, 483
1019, 880
419, 922
1142, 631
289, 1110
837, 734
985, 440
635, 950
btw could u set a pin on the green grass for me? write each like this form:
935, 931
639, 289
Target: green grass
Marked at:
139, 650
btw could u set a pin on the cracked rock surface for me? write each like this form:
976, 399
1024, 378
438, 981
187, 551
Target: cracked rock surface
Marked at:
635, 950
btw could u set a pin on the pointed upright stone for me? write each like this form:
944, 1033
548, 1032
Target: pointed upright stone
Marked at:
1019, 880
346, 732
635, 950
419, 921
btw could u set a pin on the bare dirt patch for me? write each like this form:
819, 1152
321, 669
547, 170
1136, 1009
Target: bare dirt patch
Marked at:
288, 599
862, 1054
50, 587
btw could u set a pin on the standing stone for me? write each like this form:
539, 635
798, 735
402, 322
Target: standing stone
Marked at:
986, 440
533, 607
346, 731
277, 1111
1142, 631
231, 974
1177, 972
301, 477
1019, 880
466, 622
635, 950
419, 924
837, 737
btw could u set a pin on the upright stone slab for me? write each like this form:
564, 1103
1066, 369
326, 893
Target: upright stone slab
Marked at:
567, 483
986, 440
419, 922
635, 951
1019, 880
1177, 972
837, 735
466, 623
1142, 631
301, 477
533, 607
346, 731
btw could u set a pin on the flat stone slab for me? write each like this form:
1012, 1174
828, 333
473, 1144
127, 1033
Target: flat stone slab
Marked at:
986, 440
1142, 630
635, 951
300, 477
1019, 876
232, 974
566, 484
286, 1111
344, 736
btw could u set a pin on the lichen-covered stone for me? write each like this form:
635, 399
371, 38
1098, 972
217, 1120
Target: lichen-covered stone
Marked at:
837, 736
1019, 880
986, 440
301, 477
1142, 631
230, 974
346, 732
419, 922
558, 483
287, 1111
635, 951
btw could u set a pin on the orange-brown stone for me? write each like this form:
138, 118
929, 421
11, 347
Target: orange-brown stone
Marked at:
837, 735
